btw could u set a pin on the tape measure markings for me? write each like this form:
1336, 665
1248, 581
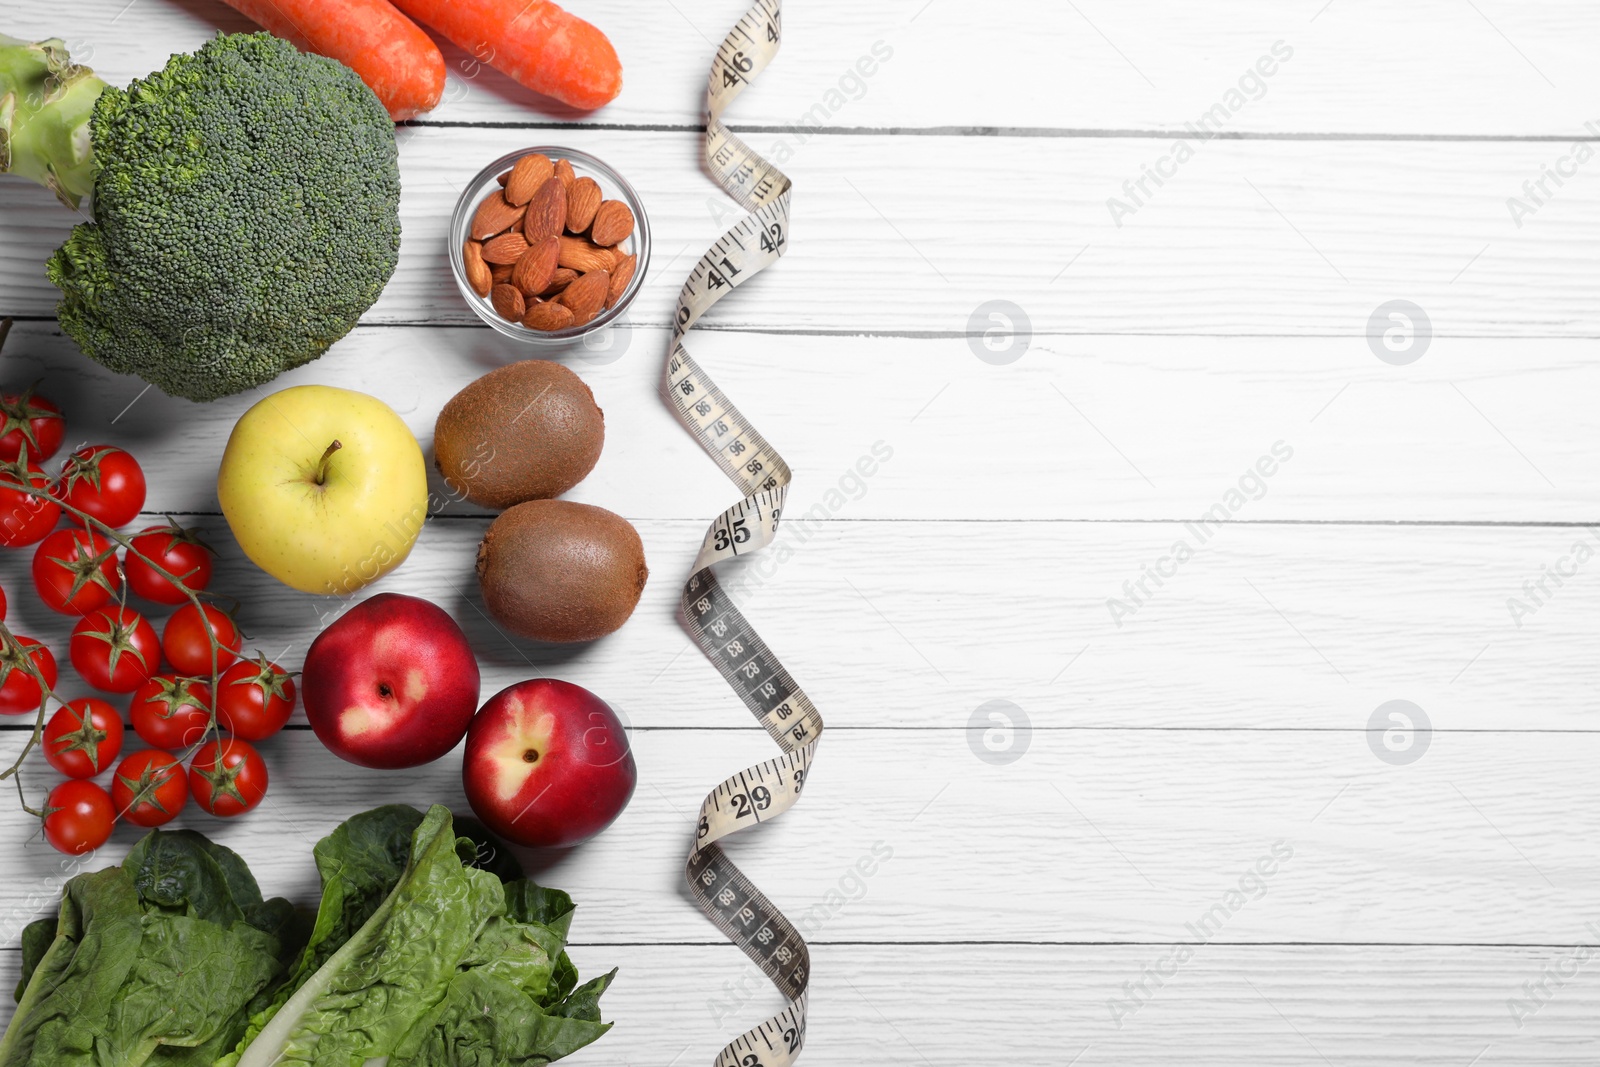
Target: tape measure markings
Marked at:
760, 793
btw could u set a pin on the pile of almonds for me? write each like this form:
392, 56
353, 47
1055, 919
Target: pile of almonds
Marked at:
544, 248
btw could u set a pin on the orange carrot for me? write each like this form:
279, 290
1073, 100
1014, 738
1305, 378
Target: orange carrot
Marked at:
399, 62
541, 46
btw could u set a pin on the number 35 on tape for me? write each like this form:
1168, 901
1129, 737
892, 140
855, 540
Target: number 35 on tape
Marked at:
763, 792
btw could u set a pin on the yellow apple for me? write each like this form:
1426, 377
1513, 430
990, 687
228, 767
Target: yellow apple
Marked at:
325, 489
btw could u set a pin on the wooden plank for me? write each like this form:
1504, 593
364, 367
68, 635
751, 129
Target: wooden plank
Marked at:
1497, 69
1088, 428
915, 234
1286, 1004
1251, 837
917, 624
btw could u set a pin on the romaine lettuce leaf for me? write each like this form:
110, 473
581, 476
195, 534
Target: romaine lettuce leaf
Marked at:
159, 953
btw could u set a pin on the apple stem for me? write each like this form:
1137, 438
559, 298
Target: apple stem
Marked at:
322, 464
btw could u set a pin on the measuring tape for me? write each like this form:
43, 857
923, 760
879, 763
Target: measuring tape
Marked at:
765, 791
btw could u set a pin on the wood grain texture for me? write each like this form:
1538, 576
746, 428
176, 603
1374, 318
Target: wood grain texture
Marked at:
964, 910
1089, 836
1091, 428
900, 235
1283, 1006
1356, 67
917, 624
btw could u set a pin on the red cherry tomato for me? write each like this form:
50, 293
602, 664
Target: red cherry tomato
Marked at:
78, 817
31, 422
2, 603
177, 551
254, 699
114, 649
171, 712
83, 737
25, 518
187, 639
104, 481
227, 777
20, 693
149, 788
75, 571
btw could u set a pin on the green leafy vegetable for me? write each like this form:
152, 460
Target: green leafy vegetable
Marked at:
412, 946
158, 955
418, 955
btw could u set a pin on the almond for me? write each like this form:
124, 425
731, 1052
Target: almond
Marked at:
508, 303
530, 172
477, 271
563, 170
494, 216
563, 277
621, 275
547, 211
613, 222
584, 256
503, 179
507, 248
548, 315
532, 272
500, 273
586, 296
582, 200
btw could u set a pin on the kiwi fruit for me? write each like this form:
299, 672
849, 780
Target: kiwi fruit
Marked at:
557, 570
526, 431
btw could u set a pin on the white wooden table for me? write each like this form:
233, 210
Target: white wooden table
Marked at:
1226, 717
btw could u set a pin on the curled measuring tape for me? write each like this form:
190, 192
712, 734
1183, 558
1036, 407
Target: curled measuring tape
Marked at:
763, 792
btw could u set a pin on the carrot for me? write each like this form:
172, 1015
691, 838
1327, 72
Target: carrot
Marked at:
399, 62
541, 46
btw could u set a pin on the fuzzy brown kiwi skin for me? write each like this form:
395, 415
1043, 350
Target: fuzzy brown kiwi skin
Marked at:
560, 571
525, 431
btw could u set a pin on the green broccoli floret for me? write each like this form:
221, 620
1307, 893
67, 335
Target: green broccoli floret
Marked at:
246, 213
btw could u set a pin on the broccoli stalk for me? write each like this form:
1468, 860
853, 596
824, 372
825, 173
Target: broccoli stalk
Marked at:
46, 101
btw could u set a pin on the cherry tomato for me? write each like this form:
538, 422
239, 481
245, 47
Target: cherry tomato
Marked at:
75, 571
187, 639
104, 481
78, 816
171, 712
20, 693
149, 788
2, 603
179, 552
25, 518
83, 737
32, 422
254, 699
114, 649
227, 777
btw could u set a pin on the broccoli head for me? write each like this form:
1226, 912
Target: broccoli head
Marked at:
246, 213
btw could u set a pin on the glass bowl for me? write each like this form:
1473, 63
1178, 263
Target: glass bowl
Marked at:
612, 185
